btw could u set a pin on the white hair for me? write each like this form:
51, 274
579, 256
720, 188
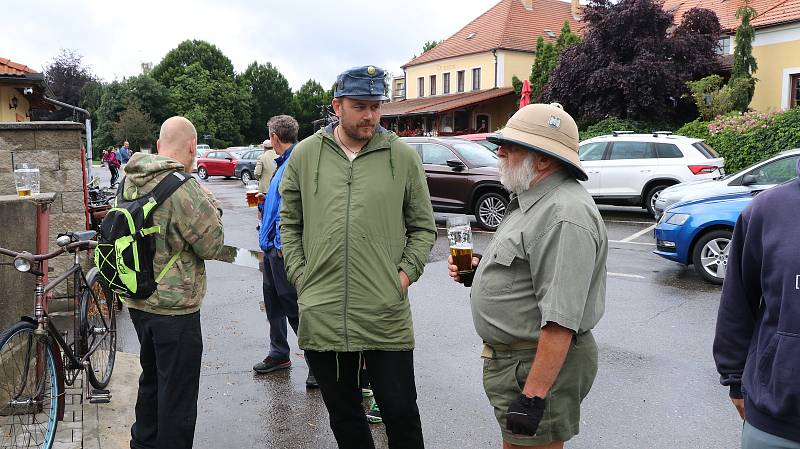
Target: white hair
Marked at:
518, 179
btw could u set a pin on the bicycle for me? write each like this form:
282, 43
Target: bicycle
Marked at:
36, 361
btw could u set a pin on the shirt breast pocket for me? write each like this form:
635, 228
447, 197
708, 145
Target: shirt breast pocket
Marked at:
498, 277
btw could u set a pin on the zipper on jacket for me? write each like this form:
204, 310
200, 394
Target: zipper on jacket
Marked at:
346, 252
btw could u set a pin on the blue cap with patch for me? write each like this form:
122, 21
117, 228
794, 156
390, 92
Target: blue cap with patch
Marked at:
363, 83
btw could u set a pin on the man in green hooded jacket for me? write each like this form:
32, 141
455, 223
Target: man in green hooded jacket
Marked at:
357, 229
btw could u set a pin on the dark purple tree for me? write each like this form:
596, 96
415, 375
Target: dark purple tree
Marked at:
633, 63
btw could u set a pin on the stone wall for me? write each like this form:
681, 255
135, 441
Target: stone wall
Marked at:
18, 222
54, 147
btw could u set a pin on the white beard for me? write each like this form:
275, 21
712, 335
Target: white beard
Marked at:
517, 179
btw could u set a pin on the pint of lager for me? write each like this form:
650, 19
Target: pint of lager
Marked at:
252, 194
459, 232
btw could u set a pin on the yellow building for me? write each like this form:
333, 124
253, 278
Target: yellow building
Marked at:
21, 92
776, 46
463, 85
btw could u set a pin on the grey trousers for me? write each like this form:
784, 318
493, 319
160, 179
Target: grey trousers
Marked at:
753, 438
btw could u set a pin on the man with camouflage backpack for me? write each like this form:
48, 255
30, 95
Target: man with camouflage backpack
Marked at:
168, 321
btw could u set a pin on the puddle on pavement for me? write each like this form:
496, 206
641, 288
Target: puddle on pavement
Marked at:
241, 257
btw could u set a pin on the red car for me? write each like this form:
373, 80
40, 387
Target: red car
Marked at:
481, 139
218, 163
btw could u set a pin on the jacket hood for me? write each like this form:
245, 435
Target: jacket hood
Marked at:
143, 168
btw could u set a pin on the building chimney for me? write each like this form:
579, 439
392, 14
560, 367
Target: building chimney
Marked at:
576, 9
528, 4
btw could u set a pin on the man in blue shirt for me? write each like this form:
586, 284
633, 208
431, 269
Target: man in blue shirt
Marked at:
124, 153
280, 297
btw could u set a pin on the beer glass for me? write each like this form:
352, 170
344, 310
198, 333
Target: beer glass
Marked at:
26, 179
459, 232
252, 192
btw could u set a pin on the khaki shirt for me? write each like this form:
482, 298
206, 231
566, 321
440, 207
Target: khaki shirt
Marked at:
265, 167
546, 263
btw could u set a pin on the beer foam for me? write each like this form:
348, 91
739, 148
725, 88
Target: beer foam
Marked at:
461, 245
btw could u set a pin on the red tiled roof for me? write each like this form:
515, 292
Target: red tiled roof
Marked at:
430, 105
769, 12
11, 68
508, 25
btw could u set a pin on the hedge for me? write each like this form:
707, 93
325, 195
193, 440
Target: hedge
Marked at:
741, 145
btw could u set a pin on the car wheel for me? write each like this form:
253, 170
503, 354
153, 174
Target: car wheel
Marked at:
246, 176
490, 210
710, 255
202, 173
651, 197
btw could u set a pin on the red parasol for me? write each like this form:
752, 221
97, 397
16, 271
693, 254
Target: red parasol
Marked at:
525, 97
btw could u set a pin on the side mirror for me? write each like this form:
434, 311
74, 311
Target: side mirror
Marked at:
456, 164
749, 180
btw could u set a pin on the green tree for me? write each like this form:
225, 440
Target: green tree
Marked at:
177, 60
307, 102
744, 64
429, 45
546, 58
216, 107
135, 126
271, 96
516, 84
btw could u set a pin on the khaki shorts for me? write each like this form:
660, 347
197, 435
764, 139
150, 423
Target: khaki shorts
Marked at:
505, 374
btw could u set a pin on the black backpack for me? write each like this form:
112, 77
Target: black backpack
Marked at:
126, 244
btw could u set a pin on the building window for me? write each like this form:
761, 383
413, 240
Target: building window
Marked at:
794, 86
724, 45
420, 87
460, 80
476, 79
446, 83
433, 84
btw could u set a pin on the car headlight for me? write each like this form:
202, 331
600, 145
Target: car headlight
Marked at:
677, 219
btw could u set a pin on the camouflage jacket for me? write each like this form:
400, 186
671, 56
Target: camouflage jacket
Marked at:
190, 221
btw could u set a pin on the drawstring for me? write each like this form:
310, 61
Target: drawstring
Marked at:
358, 374
391, 160
316, 189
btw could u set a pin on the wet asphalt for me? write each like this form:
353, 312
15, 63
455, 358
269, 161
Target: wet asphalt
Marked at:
656, 386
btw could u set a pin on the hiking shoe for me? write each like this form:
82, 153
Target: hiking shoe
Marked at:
366, 392
374, 413
269, 365
311, 381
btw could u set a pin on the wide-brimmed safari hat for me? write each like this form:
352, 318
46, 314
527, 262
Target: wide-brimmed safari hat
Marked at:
547, 129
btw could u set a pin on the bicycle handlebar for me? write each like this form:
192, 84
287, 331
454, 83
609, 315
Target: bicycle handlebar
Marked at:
74, 246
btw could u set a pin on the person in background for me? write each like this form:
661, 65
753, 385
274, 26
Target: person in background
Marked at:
111, 161
124, 153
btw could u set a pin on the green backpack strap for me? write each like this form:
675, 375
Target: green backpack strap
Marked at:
158, 195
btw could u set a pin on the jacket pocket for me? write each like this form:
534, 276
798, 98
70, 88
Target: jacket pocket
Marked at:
777, 390
498, 277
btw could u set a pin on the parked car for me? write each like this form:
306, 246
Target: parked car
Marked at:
697, 232
633, 169
198, 153
762, 175
481, 139
203, 147
246, 165
463, 178
217, 163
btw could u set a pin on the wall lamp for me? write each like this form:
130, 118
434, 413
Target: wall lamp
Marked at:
12, 104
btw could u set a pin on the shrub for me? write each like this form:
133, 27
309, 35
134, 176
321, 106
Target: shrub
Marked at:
611, 124
744, 139
696, 128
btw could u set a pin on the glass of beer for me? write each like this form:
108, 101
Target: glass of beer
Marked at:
459, 232
26, 179
252, 192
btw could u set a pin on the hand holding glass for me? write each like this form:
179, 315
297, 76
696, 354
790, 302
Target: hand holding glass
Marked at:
459, 232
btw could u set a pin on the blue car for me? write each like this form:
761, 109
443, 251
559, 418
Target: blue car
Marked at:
697, 232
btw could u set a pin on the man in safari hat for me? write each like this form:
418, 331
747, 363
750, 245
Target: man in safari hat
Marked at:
540, 287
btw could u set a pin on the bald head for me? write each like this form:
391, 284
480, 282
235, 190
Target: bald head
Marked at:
178, 140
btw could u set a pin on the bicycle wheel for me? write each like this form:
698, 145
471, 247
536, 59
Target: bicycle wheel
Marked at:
29, 388
99, 330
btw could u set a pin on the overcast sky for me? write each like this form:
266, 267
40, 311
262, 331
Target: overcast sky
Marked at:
304, 38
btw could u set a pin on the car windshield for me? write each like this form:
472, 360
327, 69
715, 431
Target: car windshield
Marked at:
477, 155
491, 146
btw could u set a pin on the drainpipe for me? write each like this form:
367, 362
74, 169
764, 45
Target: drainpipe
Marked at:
494, 53
405, 88
88, 131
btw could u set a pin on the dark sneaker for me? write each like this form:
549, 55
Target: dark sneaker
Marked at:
311, 381
269, 365
374, 413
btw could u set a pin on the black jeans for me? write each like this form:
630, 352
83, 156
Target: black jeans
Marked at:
114, 174
280, 302
170, 355
391, 374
